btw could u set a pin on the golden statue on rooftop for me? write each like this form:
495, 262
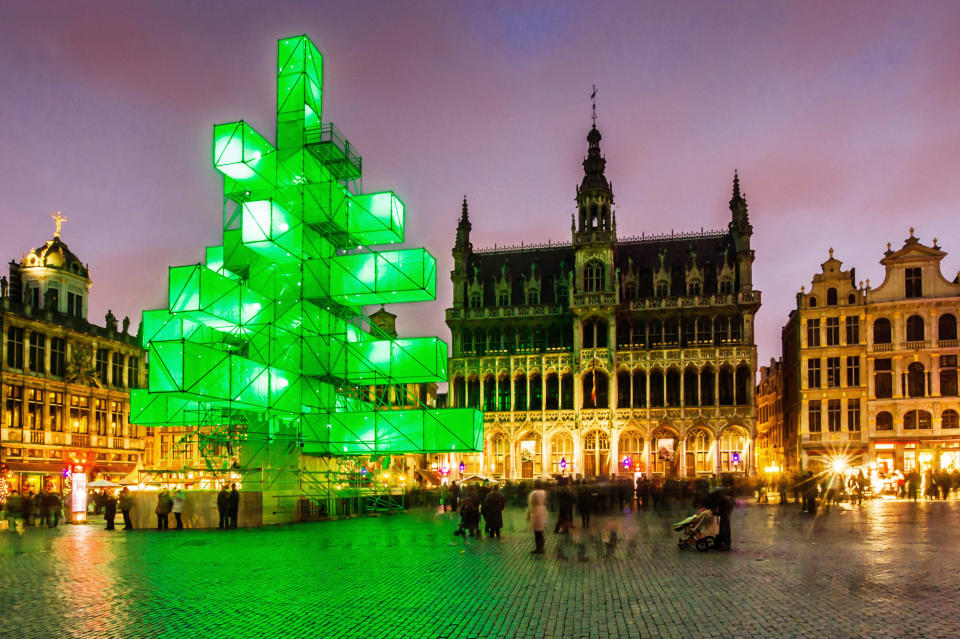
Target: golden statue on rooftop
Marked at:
59, 218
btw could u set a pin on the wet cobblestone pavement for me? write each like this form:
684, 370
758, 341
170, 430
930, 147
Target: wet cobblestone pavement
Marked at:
886, 570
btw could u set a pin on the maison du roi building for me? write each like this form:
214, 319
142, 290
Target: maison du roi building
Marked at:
608, 355
870, 374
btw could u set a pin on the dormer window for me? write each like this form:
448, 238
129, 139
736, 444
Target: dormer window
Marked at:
694, 288
726, 286
630, 291
503, 298
913, 282
476, 300
533, 297
563, 297
663, 289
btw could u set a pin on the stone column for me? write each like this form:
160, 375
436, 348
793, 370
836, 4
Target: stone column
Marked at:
682, 452
544, 468
614, 452
716, 455
646, 455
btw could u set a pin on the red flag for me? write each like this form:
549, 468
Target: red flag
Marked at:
593, 391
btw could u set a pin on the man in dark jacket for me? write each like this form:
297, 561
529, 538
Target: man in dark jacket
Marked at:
493, 506
223, 507
722, 506
109, 510
233, 503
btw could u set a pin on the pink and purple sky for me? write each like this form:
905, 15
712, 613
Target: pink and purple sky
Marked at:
842, 118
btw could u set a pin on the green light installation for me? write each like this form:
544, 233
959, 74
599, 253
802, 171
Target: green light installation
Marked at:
269, 330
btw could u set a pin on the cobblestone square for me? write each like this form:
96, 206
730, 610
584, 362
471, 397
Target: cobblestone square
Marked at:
886, 570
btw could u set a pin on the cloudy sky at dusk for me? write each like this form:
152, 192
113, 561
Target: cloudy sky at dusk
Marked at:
843, 119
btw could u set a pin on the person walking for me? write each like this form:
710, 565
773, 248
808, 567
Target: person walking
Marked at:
179, 499
126, 505
109, 509
233, 506
565, 501
454, 496
164, 505
584, 503
537, 515
493, 506
223, 507
56, 509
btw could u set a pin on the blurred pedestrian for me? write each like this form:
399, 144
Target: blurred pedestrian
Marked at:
233, 505
179, 499
223, 507
164, 506
126, 505
565, 501
537, 515
584, 503
109, 509
454, 496
493, 506
469, 517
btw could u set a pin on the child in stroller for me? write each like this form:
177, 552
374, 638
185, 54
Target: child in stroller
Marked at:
692, 530
469, 518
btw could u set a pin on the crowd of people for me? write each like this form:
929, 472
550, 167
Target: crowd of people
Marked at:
484, 503
46, 509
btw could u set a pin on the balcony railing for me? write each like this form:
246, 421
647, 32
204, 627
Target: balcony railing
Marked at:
80, 441
880, 348
36, 437
948, 343
915, 346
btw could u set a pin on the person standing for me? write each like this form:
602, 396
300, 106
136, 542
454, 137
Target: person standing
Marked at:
454, 496
126, 505
164, 505
537, 515
109, 509
179, 499
233, 503
722, 506
223, 507
493, 506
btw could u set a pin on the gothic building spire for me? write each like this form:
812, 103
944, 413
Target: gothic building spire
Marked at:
463, 228
595, 193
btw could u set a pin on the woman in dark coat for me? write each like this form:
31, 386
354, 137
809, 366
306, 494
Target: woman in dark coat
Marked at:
493, 506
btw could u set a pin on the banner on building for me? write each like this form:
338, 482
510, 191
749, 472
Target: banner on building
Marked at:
665, 450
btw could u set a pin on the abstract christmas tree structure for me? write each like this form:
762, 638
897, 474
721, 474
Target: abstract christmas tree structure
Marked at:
269, 331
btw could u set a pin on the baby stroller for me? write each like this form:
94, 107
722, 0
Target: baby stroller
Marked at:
691, 530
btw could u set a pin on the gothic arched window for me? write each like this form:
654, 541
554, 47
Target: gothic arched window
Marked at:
593, 278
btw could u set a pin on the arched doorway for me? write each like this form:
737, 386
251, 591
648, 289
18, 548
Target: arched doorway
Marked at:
596, 454
630, 449
733, 450
699, 452
529, 450
664, 444
561, 454
499, 455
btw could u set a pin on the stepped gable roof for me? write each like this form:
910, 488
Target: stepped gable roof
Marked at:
55, 254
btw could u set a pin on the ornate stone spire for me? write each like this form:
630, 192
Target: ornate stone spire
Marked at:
463, 228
